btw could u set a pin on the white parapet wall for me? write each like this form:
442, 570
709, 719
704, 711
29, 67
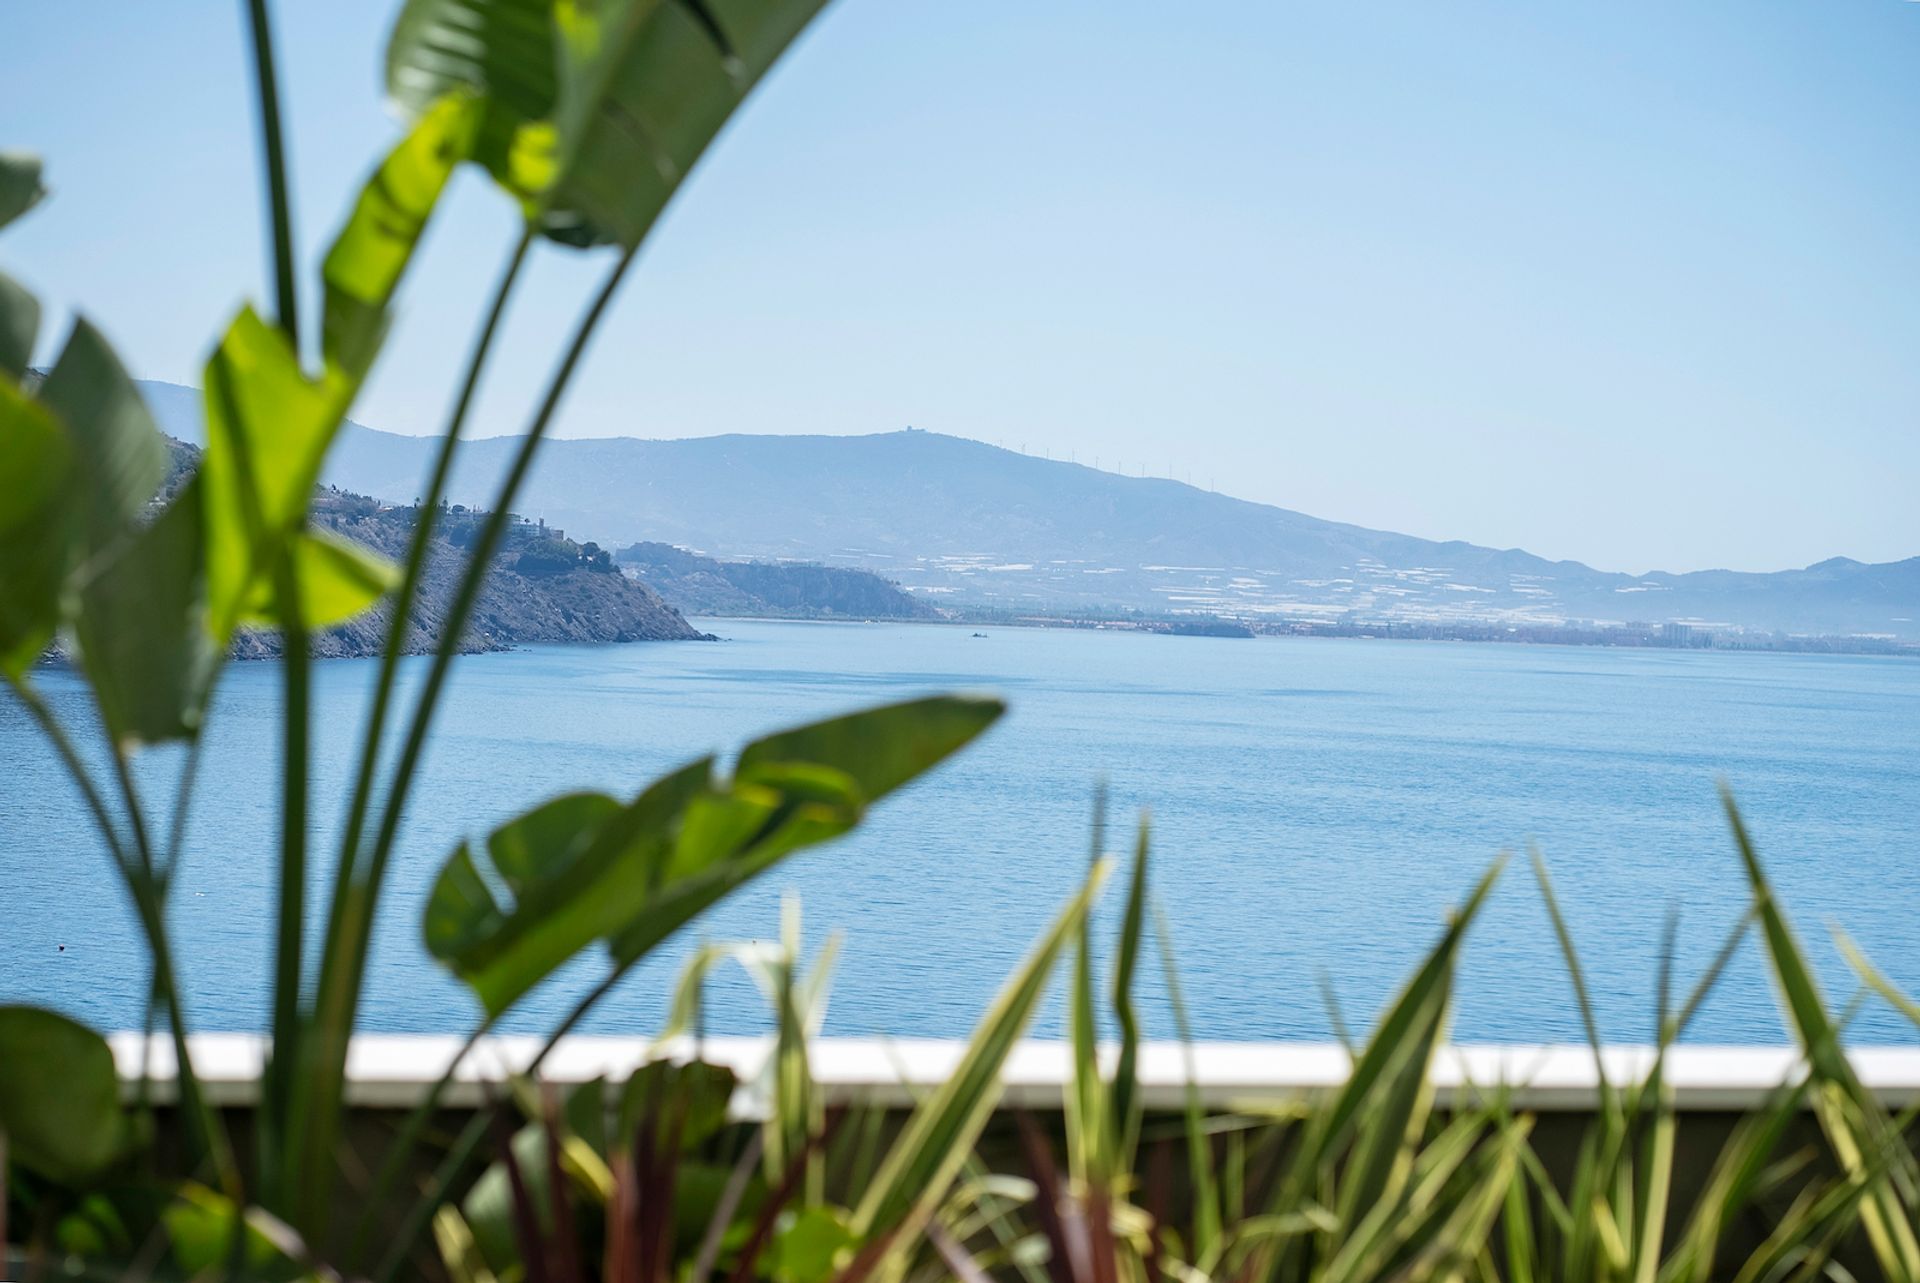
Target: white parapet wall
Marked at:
396, 1070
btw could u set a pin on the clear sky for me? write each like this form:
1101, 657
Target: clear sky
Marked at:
1636, 283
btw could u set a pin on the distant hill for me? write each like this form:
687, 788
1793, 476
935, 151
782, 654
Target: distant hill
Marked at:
542, 589
958, 521
698, 585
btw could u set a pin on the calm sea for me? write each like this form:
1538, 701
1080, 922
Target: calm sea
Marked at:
1317, 806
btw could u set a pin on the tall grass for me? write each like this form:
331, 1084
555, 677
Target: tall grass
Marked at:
1369, 1181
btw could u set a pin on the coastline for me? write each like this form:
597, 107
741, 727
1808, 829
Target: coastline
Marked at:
1621, 638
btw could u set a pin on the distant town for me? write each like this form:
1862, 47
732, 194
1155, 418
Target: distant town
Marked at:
1636, 635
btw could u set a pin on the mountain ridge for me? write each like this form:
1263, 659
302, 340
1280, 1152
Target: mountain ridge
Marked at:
958, 521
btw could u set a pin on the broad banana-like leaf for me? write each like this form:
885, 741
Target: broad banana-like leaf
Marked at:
825, 774
199, 1224
338, 579
37, 473
59, 1095
20, 185
81, 464
367, 260
121, 454
644, 87
880, 749
533, 855
142, 628
591, 111
592, 872
695, 1093
934, 1145
268, 428
19, 327
586, 868
758, 824
503, 54
642, 867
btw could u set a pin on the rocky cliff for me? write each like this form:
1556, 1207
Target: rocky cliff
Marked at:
543, 586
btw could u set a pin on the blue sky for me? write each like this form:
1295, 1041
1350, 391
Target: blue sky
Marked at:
1635, 283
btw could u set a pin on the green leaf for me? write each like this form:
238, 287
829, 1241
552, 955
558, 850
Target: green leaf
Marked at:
339, 578
77, 470
488, 1207
268, 428
715, 854
200, 1226
644, 86
121, 454
879, 748
20, 185
806, 1249
1387, 1094
59, 1095
37, 525
580, 886
19, 326
696, 1093
501, 52
1124, 1102
142, 628
1860, 1130
459, 1250
367, 260
530, 854
585, 868
942, 1130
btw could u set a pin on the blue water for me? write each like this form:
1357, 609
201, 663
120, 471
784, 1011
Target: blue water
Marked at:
1317, 807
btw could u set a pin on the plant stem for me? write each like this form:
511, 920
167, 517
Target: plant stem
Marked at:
386, 1182
424, 524
295, 660
136, 813
476, 572
286, 302
337, 1002
150, 902
70, 757
149, 906
463, 1146
340, 908
296, 663
182, 806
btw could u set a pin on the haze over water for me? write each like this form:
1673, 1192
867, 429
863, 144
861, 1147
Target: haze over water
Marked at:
1317, 807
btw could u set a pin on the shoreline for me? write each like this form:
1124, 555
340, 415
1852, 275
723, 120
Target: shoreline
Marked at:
1585, 639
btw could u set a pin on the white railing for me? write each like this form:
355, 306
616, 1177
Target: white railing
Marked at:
394, 1070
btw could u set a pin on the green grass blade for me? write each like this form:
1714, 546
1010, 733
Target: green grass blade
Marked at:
934, 1144
1405, 1017
1857, 1133
1124, 1103
1206, 1200
1574, 972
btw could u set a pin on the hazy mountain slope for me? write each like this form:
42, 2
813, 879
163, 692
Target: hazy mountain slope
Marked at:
958, 520
700, 585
